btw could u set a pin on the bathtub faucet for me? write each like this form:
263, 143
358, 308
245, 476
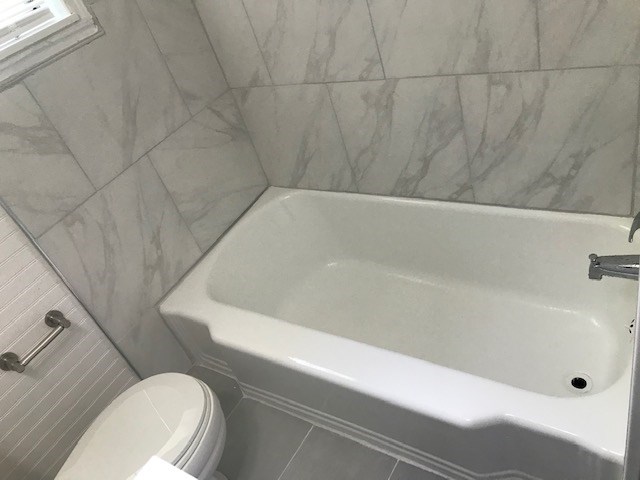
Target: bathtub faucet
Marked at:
621, 266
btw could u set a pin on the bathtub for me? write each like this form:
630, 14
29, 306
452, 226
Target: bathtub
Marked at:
466, 338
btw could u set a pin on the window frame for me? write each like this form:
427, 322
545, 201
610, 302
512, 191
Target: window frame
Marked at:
49, 44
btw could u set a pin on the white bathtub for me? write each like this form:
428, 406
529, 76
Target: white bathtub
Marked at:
470, 320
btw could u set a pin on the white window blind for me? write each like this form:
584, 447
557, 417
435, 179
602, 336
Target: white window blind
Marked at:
24, 22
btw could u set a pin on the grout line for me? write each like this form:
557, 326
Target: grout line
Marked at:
636, 159
113, 179
465, 139
62, 139
173, 202
164, 60
255, 37
441, 75
344, 144
296, 452
537, 7
393, 469
246, 128
375, 38
206, 106
215, 54
235, 407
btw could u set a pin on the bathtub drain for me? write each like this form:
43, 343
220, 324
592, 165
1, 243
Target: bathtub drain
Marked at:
580, 382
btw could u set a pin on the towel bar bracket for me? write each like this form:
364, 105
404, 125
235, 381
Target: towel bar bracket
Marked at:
10, 361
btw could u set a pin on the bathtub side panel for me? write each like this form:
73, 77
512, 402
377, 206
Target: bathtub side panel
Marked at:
492, 452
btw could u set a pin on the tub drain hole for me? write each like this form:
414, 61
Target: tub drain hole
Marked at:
579, 383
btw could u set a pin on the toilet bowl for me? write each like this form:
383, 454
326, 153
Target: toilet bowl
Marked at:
172, 416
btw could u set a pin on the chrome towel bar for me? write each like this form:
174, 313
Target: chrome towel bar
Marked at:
9, 361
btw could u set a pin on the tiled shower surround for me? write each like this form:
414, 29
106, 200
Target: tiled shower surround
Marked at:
526, 103
129, 157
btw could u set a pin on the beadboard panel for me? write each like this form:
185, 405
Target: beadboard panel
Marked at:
46, 409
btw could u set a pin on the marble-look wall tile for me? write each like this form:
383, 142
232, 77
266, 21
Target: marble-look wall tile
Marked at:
579, 33
429, 37
123, 248
404, 137
635, 207
315, 40
211, 169
178, 30
39, 178
297, 137
113, 99
151, 347
234, 42
562, 140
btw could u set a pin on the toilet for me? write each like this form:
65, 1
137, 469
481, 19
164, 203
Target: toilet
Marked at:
172, 416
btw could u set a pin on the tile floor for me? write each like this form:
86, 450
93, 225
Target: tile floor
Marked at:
264, 443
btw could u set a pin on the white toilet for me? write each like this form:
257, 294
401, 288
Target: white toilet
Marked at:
173, 416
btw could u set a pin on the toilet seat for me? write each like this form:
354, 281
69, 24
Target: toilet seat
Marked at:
172, 416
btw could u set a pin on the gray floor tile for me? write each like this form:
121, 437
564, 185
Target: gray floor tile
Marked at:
404, 471
260, 441
226, 388
327, 456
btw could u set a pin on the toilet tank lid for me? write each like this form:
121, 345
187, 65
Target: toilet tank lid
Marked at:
160, 416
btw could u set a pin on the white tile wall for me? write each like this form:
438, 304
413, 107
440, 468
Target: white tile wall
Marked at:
45, 410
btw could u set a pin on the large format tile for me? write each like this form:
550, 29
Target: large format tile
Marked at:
123, 248
211, 169
40, 180
579, 33
295, 131
151, 347
428, 37
559, 140
260, 441
404, 471
635, 208
114, 99
404, 137
226, 388
233, 39
315, 40
178, 30
327, 456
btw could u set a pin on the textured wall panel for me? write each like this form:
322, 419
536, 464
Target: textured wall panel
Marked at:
45, 410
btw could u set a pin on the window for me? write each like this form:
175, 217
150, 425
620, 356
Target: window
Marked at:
33, 32
24, 22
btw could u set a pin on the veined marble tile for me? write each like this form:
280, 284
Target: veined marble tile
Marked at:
297, 137
562, 140
39, 178
151, 347
428, 37
211, 170
123, 248
315, 40
233, 40
113, 99
579, 33
178, 30
404, 137
635, 208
